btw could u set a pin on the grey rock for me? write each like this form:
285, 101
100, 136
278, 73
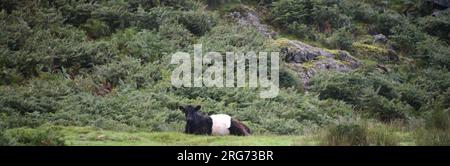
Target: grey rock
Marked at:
440, 3
380, 38
250, 18
298, 53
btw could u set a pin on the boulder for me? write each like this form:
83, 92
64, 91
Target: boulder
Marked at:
249, 17
380, 38
441, 4
299, 52
307, 60
374, 52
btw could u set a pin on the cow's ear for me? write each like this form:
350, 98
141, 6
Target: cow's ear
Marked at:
181, 108
198, 107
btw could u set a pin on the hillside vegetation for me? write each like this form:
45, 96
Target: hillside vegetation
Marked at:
97, 72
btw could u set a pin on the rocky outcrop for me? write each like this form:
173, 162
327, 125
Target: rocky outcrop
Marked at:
250, 18
307, 60
304, 59
380, 38
442, 4
374, 52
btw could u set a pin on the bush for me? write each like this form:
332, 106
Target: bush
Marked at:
198, 22
360, 134
436, 130
374, 94
358, 10
289, 79
432, 137
341, 39
384, 22
286, 12
381, 135
438, 26
382, 108
346, 135
439, 120
433, 52
42, 136
148, 46
176, 34
323, 14
406, 36
96, 28
116, 72
300, 30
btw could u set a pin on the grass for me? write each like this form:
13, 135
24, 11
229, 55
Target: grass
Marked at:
87, 136
346, 135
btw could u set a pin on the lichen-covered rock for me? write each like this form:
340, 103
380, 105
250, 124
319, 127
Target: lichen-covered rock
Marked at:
307, 60
248, 17
304, 59
299, 52
380, 38
374, 52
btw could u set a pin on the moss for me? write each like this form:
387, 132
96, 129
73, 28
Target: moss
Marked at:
370, 51
308, 65
281, 42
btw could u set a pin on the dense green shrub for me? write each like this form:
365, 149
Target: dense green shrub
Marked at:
374, 94
323, 14
358, 10
406, 36
96, 28
437, 126
175, 34
346, 135
383, 108
198, 22
43, 136
341, 39
229, 37
438, 25
433, 52
289, 79
385, 21
300, 30
148, 46
116, 72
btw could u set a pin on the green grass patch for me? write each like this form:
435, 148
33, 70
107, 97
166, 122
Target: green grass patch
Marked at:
87, 136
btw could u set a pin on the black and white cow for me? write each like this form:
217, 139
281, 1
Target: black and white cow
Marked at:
219, 124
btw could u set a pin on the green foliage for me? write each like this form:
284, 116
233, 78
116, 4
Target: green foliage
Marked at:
384, 22
289, 79
374, 94
148, 46
437, 25
96, 28
346, 135
226, 37
406, 36
105, 64
198, 22
360, 133
382, 108
44, 136
433, 52
432, 137
323, 14
341, 39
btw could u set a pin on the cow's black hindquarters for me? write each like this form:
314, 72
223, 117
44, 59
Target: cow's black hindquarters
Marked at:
237, 128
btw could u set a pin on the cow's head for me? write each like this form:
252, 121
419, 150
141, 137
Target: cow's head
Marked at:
191, 112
